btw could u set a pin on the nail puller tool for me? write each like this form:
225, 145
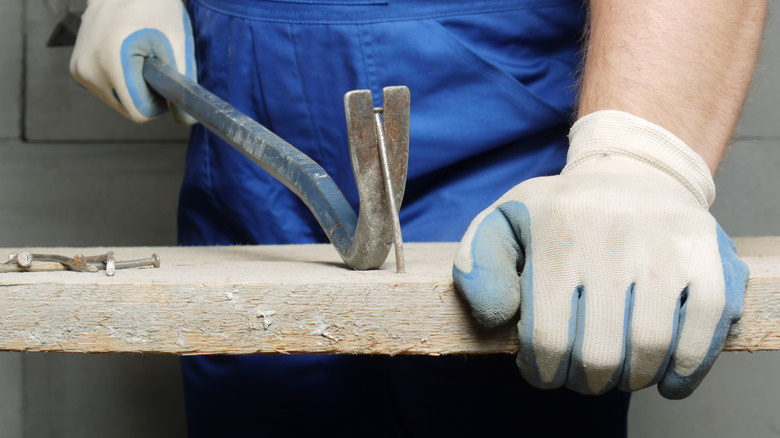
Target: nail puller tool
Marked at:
378, 145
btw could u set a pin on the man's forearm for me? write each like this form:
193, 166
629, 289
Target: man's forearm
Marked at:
684, 65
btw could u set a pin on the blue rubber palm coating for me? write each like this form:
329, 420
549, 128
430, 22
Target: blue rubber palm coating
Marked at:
735, 276
501, 280
151, 43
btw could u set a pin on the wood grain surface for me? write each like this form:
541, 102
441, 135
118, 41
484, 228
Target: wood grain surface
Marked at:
290, 299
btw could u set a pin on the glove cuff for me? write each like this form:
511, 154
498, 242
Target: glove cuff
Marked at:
609, 133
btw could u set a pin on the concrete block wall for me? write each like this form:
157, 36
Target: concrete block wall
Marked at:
11, 69
61, 151
76, 174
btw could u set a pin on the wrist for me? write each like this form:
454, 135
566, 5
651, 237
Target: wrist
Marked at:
616, 141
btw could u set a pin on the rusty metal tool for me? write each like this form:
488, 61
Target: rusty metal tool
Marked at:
362, 240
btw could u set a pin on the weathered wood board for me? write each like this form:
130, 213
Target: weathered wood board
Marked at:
290, 299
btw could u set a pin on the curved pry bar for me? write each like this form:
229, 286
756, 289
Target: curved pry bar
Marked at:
363, 241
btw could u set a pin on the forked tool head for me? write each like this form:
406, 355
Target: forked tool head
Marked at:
372, 146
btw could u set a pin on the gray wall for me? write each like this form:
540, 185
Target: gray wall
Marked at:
77, 174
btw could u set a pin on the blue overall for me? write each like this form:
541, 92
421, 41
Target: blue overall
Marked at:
492, 89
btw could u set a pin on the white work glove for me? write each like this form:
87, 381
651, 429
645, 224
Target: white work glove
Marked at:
115, 37
620, 274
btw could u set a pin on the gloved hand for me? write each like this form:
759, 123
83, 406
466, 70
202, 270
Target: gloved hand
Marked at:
115, 37
620, 274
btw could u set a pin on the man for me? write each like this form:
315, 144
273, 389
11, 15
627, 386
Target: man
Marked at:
620, 276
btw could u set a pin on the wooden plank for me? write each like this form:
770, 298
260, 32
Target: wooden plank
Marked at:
290, 299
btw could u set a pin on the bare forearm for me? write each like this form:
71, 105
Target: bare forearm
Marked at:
684, 65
